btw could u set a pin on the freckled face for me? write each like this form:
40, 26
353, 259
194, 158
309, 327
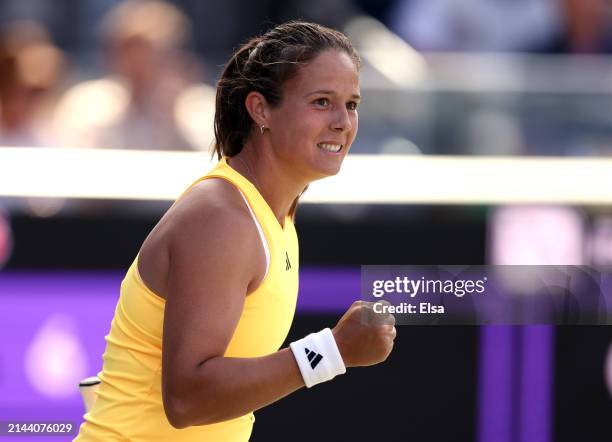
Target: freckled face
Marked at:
313, 127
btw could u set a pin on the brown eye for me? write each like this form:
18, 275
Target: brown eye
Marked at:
352, 105
324, 102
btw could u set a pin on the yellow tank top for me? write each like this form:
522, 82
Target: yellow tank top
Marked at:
129, 403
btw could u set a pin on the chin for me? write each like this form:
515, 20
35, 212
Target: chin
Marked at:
325, 167
328, 170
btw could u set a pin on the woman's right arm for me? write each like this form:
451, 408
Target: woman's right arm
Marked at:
212, 267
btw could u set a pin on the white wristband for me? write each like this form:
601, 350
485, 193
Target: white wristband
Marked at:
318, 357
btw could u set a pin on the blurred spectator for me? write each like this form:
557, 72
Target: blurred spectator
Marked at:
588, 27
30, 68
479, 25
572, 26
147, 101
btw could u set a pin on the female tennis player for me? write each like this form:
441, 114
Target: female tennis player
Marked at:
194, 344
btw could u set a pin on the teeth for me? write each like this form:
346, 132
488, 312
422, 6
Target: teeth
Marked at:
330, 147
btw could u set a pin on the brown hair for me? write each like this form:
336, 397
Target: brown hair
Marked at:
264, 64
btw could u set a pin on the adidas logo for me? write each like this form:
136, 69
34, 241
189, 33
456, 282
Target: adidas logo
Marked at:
287, 262
313, 357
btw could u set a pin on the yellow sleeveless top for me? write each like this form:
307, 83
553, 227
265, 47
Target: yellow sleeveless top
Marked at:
129, 404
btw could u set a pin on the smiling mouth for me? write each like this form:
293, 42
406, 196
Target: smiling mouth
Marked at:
332, 148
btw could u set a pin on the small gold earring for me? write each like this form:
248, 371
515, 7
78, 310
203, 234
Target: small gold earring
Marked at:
262, 128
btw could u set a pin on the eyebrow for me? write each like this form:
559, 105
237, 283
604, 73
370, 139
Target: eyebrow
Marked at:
326, 92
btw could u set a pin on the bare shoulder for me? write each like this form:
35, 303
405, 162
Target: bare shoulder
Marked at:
211, 217
210, 224
212, 202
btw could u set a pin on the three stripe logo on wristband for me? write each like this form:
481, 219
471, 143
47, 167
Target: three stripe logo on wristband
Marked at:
313, 357
324, 344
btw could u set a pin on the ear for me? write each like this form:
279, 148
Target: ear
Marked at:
258, 108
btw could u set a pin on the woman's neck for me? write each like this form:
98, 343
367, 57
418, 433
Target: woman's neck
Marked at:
276, 184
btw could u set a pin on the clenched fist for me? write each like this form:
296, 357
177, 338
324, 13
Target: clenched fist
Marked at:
364, 337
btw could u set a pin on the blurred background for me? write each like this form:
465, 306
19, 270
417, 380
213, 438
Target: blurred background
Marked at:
522, 78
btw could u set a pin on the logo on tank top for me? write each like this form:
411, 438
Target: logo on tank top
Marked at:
287, 262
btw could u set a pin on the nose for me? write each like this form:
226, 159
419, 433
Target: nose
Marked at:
342, 120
